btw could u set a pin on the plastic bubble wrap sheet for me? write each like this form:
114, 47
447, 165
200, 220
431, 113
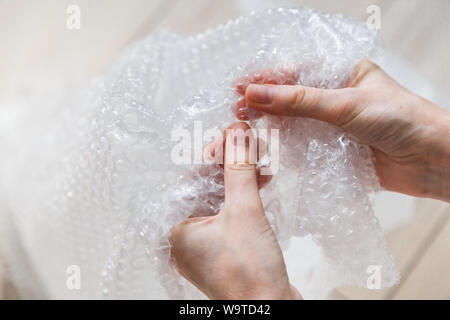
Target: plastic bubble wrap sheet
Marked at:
96, 177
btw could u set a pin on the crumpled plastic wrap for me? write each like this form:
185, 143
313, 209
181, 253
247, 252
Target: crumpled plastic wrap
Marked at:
96, 175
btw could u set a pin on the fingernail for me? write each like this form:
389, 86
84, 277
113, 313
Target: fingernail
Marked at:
260, 94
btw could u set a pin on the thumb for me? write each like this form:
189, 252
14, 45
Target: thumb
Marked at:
335, 106
241, 186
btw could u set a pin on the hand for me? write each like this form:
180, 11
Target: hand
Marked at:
233, 255
409, 136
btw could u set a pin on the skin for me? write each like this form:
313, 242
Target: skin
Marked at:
235, 255
409, 135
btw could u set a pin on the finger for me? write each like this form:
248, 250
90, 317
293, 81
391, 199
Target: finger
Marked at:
281, 75
240, 110
243, 112
212, 152
240, 165
209, 153
336, 106
262, 179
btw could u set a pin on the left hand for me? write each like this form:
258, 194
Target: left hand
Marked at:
235, 254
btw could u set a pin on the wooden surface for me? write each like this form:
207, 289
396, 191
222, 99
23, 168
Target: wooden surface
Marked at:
421, 250
38, 52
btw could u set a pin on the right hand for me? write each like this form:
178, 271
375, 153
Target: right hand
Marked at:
409, 136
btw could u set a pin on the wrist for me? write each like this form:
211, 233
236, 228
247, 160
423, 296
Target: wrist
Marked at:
260, 293
438, 179
437, 184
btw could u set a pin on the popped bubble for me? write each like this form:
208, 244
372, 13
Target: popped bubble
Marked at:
102, 186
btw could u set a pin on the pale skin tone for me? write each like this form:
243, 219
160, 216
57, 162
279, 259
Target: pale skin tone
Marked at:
235, 255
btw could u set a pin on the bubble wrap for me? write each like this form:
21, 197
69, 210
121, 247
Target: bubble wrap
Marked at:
92, 181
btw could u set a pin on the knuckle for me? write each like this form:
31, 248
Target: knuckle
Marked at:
365, 64
299, 96
352, 96
361, 70
177, 231
348, 108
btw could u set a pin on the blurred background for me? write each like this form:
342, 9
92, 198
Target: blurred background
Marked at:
38, 53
